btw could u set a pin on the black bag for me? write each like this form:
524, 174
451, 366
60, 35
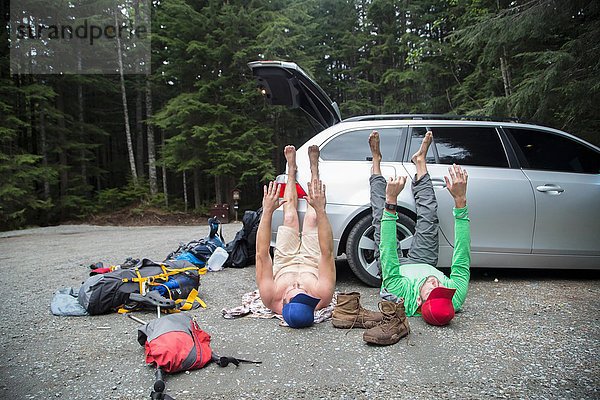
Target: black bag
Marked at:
251, 220
178, 280
199, 251
238, 251
242, 249
196, 251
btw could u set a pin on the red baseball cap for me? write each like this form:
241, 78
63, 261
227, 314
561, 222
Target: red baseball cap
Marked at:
438, 309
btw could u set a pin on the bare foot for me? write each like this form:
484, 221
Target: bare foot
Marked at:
375, 152
374, 145
420, 157
290, 156
421, 154
313, 157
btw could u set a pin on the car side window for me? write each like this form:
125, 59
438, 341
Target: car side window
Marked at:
464, 145
354, 145
549, 151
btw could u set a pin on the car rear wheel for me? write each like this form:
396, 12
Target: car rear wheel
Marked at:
360, 248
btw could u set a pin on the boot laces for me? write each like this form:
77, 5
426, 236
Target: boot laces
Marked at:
358, 314
388, 318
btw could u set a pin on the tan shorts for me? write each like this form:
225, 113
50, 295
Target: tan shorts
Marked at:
294, 253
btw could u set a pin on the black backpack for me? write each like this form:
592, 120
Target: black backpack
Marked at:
104, 293
242, 249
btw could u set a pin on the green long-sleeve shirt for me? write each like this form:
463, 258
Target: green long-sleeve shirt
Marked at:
406, 281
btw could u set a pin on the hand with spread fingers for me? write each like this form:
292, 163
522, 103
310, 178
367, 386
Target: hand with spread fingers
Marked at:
316, 195
393, 189
457, 185
270, 197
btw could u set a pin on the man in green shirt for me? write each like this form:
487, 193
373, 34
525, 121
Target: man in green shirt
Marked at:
412, 283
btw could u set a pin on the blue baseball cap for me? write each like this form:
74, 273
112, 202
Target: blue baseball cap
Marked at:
300, 311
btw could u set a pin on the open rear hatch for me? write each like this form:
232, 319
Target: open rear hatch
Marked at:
284, 83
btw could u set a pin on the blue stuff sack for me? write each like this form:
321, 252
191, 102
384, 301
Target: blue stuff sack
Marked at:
199, 251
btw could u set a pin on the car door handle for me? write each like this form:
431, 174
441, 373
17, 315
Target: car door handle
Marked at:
437, 182
550, 188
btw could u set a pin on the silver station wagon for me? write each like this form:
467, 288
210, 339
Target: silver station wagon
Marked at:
534, 192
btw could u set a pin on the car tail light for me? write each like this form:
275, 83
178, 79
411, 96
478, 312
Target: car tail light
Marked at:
282, 179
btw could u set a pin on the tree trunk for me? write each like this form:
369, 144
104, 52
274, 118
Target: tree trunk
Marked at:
164, 172
81, 119
44, 149
62, 143
29, 142
125, 109
139, 132
218, 196
100, 157
150, 140
81, 133
185, 199
197, 199
506, 78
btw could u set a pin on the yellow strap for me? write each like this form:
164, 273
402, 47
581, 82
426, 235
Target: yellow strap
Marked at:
201, 302
189, 302
140, 281
166, 273
172, 271
150, 280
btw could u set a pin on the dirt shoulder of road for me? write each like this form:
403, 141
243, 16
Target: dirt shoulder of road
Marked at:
133, 216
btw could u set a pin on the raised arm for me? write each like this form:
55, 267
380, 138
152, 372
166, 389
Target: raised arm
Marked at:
264, 263
392, 279
461, 257
317, 200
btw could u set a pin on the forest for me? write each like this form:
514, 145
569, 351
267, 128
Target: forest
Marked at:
184, 135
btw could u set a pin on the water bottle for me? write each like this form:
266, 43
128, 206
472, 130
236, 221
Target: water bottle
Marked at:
217, 259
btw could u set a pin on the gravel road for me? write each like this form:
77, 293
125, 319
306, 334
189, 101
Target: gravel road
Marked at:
522, 334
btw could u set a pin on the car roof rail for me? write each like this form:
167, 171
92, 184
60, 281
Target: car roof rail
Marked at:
431, 116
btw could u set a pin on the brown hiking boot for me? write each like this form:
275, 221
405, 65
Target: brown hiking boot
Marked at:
348, 313
393, 327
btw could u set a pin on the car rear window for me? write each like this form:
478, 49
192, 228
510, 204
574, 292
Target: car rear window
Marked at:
549, 151
464, 145
354, 145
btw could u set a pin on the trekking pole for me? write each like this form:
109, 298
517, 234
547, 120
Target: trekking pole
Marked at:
158, 392
159, 383
136, 319
159, 387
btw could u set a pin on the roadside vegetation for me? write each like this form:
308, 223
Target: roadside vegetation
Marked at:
198, 128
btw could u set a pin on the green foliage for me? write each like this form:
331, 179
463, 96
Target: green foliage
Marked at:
551, 49
19, 201
62, 146
114, 199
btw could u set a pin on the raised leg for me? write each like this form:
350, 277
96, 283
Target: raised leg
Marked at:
377, 185
425, 245
420, 157
310, 218
290, 195
374, 144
